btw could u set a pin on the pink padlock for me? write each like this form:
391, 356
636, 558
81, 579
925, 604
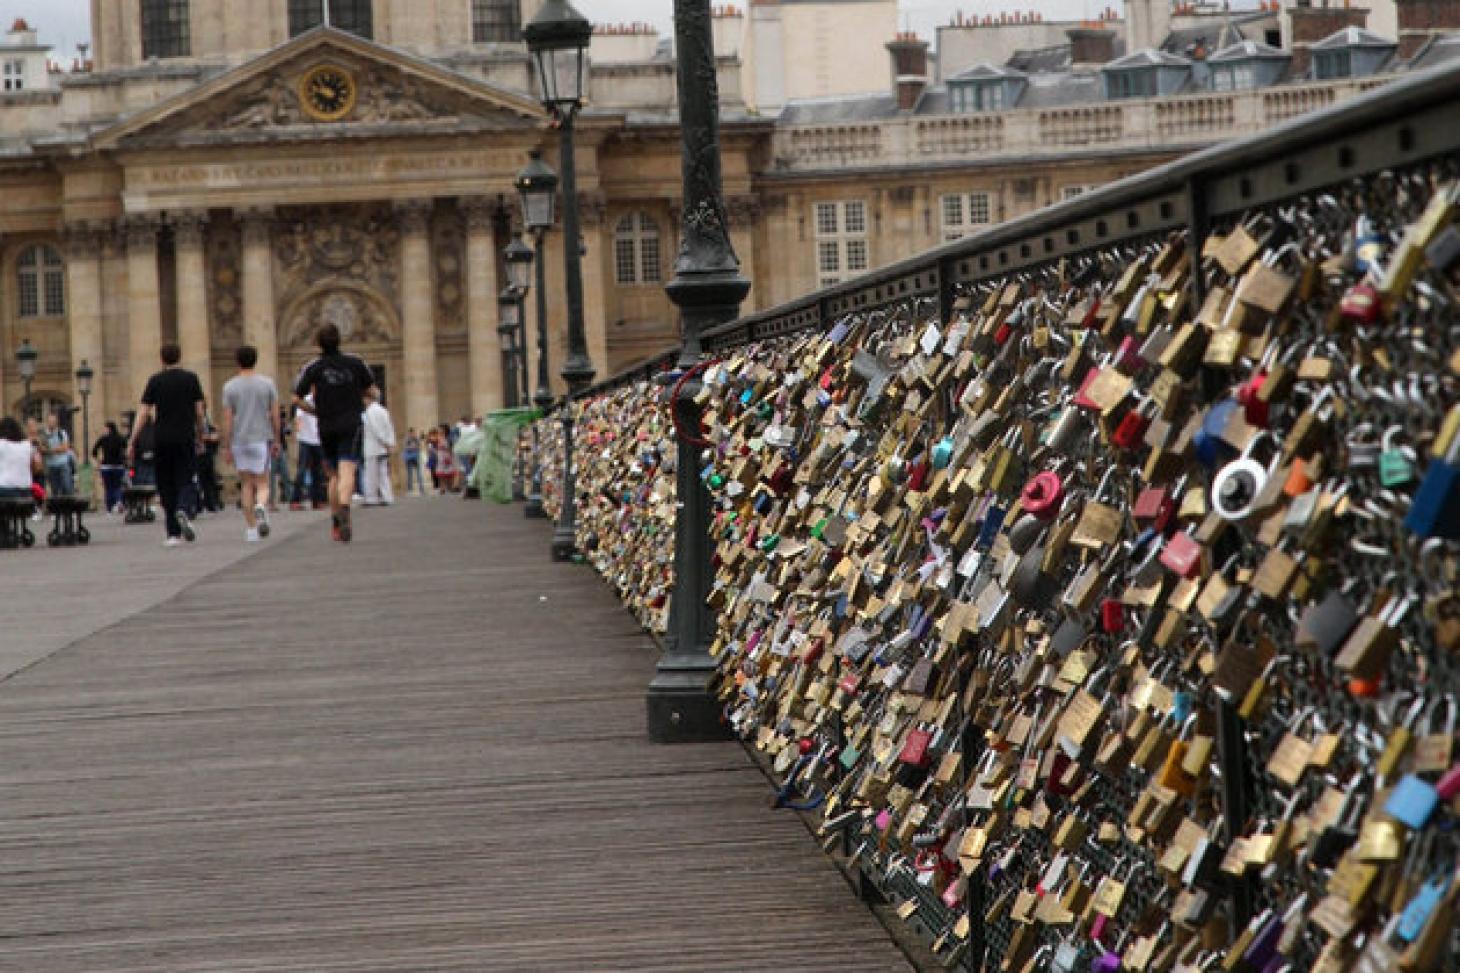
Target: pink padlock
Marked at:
1449, 785
1043, 495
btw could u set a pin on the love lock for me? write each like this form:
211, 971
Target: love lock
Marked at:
1237, 485
1043, 495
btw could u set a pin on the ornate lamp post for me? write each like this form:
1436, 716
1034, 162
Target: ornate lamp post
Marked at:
25, 357
507, 311
518, 257
708, 288
557, 38
84, 374
537, 187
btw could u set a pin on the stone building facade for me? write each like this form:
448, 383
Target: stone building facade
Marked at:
229, 171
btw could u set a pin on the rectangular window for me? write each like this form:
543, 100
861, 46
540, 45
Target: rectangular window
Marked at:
30, 295
1131, 84
14, 76
165, 29
965, 213
355, 16
625, 270
1070, 192
495, 21
1331, 64
649, 257
55, 293
841, 241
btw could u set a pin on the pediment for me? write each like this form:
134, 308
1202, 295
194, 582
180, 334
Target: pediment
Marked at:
265, 100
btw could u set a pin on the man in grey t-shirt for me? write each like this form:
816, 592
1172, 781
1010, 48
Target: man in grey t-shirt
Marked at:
251, 437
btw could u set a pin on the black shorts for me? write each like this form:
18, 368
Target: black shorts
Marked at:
342, 445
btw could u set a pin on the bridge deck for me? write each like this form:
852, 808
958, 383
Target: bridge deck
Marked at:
423, 752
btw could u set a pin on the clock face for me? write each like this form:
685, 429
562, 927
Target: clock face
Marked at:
328, 92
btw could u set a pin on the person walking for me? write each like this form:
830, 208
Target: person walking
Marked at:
279, 468
173, 405
379, 441
59, 482
110, 452
307, 465
334, 388
251, 433
411, 456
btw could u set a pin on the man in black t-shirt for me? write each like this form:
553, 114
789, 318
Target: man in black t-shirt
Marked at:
340, 385
173, 402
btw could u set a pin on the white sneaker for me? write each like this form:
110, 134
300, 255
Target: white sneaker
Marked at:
173, 542
252, 534
261, 514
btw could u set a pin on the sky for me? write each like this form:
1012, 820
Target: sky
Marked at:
64, 23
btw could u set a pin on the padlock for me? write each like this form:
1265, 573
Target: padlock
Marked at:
1043, 494
1434, 749
1183, 555
1131, 430
1435, 510
1207, 444
1237, 485
1361, 304
943, 453
1396, 461
1412, 802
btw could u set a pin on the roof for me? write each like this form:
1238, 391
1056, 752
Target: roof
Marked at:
1149, 58
845, 108
1438, 50
1219, 32
1043, 60
985, 72
1353, 37
1249, 51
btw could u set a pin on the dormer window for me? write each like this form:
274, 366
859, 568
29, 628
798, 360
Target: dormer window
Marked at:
1233, 77
977, 96
1246, 64
1131, 84
1332, 64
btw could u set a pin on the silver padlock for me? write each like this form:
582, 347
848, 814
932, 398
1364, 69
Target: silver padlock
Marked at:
1237, 485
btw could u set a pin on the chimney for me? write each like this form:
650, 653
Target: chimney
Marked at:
1421, 20
909, 69
1311, 24
1147, 24
1091, 46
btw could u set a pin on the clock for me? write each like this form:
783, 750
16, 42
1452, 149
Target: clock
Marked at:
327, 92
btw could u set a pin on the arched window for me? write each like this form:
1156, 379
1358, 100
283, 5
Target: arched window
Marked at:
636, 250
496, 21
41, 282
355, 16
165, 29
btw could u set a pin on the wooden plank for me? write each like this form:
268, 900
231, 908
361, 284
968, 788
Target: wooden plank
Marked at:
422, 752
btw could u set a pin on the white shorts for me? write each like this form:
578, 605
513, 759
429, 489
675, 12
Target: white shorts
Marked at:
252, 458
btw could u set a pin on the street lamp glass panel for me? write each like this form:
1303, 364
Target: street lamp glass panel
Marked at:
558, 40
537, 186
84, 375
504, 335
518, 258
26, 357
509, 312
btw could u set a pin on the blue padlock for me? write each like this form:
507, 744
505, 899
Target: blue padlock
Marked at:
1208, 445
943, 453
1435, 511
993, 519
1417, 912
1412, 802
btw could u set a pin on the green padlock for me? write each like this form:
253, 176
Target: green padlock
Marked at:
1396, 462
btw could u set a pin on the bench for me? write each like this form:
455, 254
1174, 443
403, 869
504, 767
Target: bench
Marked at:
15, 514
138, 501
67, 528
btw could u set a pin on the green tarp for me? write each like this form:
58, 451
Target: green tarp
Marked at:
492, 474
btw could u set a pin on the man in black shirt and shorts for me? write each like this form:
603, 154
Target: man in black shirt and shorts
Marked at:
340, 385
173, 401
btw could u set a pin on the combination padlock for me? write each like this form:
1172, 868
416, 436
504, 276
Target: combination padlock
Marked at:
1237, 485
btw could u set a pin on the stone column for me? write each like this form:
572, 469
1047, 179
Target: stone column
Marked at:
192, 296
418, 316
83, 317
144, 307
484, 348
259, 326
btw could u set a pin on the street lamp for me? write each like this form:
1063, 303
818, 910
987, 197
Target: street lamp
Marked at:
557, 38
509, 314
84, 374
708, 289
519, 256
25, 357
537, 187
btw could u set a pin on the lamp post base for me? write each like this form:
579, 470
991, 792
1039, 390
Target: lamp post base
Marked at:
564, 548
682, 707
534, 509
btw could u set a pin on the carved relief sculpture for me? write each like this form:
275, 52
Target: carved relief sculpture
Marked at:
224, 255
448, 248
338, 263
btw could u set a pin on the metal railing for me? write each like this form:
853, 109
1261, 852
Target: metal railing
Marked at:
1398, 124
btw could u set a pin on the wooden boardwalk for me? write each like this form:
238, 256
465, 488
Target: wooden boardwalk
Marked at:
423, 752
